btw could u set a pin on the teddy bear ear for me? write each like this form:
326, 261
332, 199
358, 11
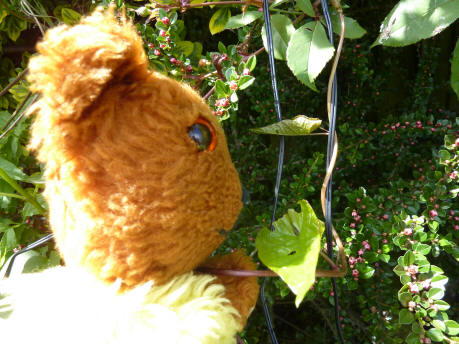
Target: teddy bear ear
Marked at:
76, 63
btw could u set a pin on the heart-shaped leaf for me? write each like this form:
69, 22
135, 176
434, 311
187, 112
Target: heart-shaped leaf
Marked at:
292, 249
298, 126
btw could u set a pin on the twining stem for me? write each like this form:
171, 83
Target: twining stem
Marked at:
22, 192
335, 144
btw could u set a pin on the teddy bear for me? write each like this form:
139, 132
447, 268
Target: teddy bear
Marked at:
141, 190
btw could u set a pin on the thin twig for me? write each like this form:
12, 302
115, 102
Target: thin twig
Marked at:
14, 82
208, 94
16, 121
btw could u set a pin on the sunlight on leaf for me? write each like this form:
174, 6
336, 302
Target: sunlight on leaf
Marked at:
298, 126
219, 20
292, 249
282, 29
455, 69
243, 19
413, 20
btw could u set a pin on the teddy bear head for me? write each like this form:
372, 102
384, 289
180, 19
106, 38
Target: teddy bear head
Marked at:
139, 181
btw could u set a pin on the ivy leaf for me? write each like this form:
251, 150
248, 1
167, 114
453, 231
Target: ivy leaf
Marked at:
292, 249
413, 20
308, 52
282, 30
455, 69
298, 126
306, 7
69, 16
243, 19
219, 20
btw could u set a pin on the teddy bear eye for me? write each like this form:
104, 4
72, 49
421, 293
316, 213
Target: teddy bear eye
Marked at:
203, 134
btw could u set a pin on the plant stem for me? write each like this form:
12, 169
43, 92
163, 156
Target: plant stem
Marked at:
6, 194
22, 191
14, 82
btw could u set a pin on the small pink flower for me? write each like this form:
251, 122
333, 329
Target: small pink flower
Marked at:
358, 200
352, 225
408, 231
413, 288
364, 243
427, 340
354, 213
433, 213
367, 247
412, 269
352, 260
385, 217
384, 241
355, 273
361, 252
411, 304
425, 284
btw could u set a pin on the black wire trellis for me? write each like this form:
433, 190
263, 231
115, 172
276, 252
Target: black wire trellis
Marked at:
331, 137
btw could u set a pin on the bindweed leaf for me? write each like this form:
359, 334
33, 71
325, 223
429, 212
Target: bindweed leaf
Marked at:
292, 249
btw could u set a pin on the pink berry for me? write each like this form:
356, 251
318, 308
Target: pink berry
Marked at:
157, 52
355, 273
165, 20
433, 213
173, 60
408, 231
162, 33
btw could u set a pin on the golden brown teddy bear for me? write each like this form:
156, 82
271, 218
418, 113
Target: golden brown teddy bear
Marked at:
141, 190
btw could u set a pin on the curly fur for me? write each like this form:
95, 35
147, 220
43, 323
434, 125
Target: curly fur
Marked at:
130, 195
79, 309
132, 200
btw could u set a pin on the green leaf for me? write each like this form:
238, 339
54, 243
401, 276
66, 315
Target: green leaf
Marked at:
365, 270
13, 27
404, 298
243, 19
405, 317
452, 327
413, 20
439, 281
219, 20
185, 47
282, 30
222, 89
439, 324
299, 125
436, 293
408, 258
245, 81
412, 338
292, 249
69, 16
251, 62
308, 52
455, 69
421, 248
442, 305
435, 334
20, 261
353, 28
306, 7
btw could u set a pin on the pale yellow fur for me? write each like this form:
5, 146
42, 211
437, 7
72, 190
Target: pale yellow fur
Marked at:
64, 305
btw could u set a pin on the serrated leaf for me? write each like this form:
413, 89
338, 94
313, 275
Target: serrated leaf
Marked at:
219, 20
308, 52
413, 20
292, 249
455, 69
353, 29
282, 30
435, 334
452, 327
243, 19
69, 16
185, 47
306, 7
298, 126
405, 317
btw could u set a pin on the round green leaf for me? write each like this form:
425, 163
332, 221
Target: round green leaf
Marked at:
455, 69
452, 327
413, 20
185, 47
292, 249
405, 317
435, 334
219, 20
282, 30
298, 126
243, 19
308, 52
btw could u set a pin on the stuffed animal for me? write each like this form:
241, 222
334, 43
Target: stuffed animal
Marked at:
141, 190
